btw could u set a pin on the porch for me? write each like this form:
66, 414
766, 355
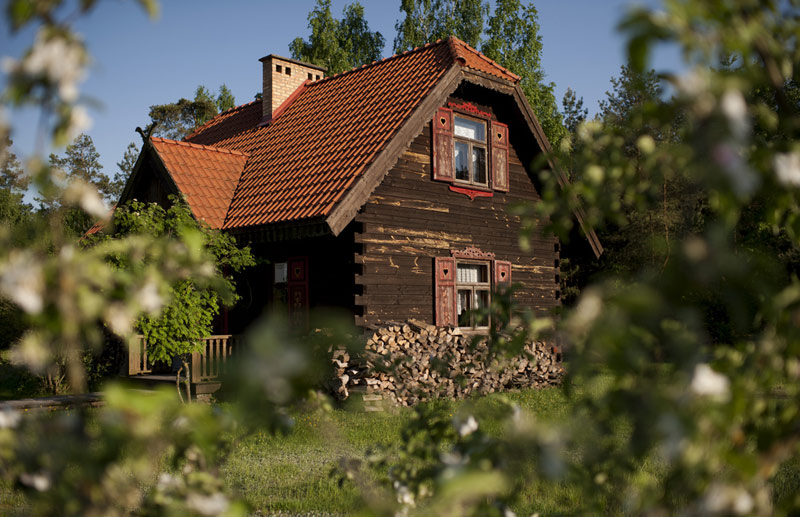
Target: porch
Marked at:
206, 366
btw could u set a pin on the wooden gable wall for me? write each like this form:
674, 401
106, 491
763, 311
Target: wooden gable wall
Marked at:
409, 220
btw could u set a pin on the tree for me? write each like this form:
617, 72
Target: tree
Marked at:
338, 45
425, 21
178, 119
574, 112
13, 185
81, 162
188, 318
225, 99
359, 43
513, 40
124, 170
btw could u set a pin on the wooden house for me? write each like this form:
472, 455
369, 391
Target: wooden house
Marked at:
383, 191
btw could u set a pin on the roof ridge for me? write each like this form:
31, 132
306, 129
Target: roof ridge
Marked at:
223, 150
379, 61
452, 40
212, 119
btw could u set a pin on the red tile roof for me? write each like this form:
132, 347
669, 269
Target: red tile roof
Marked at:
206, 175
304, 161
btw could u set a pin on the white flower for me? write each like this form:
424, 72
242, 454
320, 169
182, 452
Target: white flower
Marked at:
214, 504
9, 419
39, 481
787, 168
587, 311
87, 197
727, 499
467, 427
22, 281
119, 318
734, 108
404, 495
708, 383
149, 298
79, 121
60, 60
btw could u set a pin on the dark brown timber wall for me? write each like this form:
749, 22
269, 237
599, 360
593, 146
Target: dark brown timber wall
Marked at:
410, 219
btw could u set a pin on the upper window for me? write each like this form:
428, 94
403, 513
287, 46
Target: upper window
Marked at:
469, 150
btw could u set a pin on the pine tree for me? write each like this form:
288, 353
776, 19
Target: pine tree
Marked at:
178, 119
225, 99
574, 112
125, 168
13, 185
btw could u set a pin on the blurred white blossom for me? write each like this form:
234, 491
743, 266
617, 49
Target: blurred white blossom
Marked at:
22, 281
734, 108
725, 499
466, 426
214, 504
708, 383
9, 419
39, 481
787, 168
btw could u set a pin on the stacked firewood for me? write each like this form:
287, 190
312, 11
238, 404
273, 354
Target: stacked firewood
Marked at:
411, 362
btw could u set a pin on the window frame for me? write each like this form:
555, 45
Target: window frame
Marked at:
474, 287
471, 143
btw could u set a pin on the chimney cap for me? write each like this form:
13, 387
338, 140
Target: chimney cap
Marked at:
295, 61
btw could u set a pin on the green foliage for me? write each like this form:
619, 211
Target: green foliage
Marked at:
225, 99
189, 316
338, 45
513, 40
426, 21
574, 112
125, 168
178, 119
80, 165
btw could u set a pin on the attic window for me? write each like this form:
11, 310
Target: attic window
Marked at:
278, 68
288, 71
471, 151
310, 77
317, 77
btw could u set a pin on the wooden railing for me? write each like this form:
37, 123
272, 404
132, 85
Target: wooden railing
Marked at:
138, 362
210, 363
206, 365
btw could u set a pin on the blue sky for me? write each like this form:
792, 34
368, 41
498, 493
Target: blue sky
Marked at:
139, 62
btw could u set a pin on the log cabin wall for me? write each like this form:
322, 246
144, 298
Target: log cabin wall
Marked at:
330, 277
410, 219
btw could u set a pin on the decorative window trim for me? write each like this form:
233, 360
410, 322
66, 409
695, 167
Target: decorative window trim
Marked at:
472, 252
497, 148
446, 284
468, 107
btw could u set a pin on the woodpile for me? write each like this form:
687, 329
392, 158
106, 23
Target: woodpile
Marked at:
411, 362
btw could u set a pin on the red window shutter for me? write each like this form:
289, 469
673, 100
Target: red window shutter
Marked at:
298, 291
499, 156
445, 291
442, 127
502, 273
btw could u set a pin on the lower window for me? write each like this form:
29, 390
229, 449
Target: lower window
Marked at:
473, 286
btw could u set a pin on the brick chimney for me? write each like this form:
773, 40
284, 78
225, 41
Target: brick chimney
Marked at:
282, 76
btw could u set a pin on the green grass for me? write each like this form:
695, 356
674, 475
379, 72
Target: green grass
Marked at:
293, 474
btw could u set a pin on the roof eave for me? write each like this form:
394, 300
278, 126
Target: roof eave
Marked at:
346, 209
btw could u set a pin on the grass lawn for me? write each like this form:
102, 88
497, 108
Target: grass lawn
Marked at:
293, 474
